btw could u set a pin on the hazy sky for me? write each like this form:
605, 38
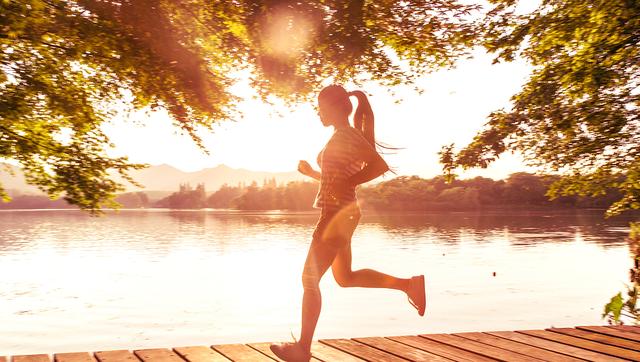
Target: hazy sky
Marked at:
453, 108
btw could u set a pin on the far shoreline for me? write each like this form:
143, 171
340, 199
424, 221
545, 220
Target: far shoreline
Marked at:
365, 211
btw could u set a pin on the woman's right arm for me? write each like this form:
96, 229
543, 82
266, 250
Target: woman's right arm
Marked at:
305, 168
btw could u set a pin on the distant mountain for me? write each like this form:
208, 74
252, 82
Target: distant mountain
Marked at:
167, 178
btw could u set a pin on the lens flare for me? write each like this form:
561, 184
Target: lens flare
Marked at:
286, 32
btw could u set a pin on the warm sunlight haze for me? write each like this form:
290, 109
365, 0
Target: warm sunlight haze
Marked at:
319, 181
454, 105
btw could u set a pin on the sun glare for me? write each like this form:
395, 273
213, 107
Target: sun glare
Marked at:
286, 32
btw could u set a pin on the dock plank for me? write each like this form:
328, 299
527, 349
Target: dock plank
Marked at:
518, 347
73, 357
620, 333
585, 344
444, 350
327, 353
400, 350
240, 352
116, 356
200, 354
634, 329
158, 355
31, 358
556, 346
598, 337
361, 350
480, 348
264, 349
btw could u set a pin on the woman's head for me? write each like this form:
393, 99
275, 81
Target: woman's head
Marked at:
334, 105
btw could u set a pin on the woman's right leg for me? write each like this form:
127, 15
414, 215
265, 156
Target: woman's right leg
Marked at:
319, 259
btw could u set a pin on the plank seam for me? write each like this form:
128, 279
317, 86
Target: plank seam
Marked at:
259, 351
333, 348
383, 350
353, 354
186, 359
506, 349
436, 352
584, 348
544, 348
341, 350
222, 353
462, 347
98, 359
582, 328
625, 327
598, 353
605, 342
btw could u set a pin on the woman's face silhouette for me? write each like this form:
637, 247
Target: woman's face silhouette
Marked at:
334, 106
324, 114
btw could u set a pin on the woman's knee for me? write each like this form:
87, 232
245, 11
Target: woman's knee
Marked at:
319, 259
310, 281
344, 278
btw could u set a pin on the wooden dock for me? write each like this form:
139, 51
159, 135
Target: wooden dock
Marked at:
592, 343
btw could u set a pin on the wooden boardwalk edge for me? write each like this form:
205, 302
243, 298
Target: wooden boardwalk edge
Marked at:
591, 343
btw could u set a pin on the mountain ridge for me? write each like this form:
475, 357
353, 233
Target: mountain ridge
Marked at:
163, 177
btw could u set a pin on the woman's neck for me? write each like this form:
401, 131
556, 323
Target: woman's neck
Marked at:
343, 123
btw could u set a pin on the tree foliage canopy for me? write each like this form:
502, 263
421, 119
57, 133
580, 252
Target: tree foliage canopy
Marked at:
65, 63
579, 113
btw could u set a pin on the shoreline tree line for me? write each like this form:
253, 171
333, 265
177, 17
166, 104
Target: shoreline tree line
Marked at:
401, 194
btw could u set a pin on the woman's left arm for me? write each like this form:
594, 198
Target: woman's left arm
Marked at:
374, 168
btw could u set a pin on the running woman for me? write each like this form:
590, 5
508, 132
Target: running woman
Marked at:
347, 160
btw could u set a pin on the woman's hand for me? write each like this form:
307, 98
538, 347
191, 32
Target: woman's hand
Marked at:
305, 168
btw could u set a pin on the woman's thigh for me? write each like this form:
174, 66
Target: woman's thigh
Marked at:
342, 262
331, 244
341, 265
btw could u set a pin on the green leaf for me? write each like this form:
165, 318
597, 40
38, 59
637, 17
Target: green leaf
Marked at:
613, 309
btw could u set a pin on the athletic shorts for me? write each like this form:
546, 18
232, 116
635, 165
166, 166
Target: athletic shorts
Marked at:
335, 227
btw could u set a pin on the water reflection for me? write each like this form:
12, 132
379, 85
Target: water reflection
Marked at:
149, 278
521, 228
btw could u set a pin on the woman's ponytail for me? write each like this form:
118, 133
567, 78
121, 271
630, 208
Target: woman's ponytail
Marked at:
363, 118
364, 121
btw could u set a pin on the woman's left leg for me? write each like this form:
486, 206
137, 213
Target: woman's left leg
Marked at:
364, 278
369, 278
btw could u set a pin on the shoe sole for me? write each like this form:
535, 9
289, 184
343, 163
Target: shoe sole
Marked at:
424, 296
419, 281
276, 352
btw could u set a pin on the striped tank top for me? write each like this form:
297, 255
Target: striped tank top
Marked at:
342, 157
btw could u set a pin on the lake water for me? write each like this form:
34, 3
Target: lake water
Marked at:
158, 278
